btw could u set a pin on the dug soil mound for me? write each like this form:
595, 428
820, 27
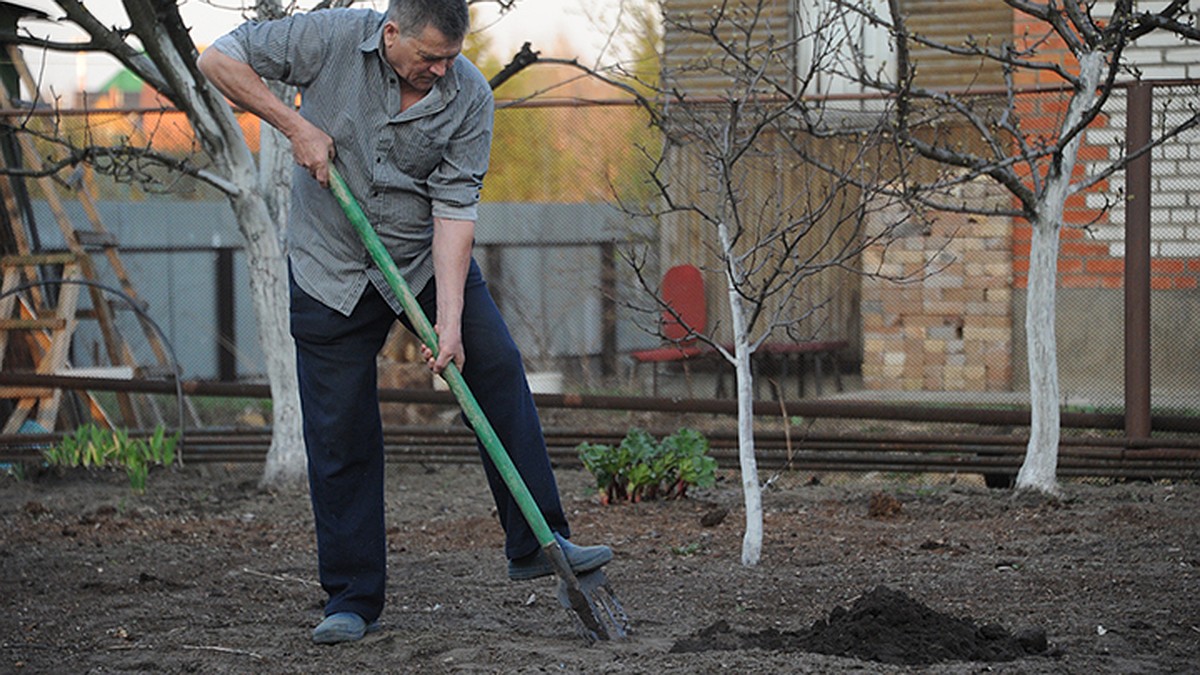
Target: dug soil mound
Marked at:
884, 625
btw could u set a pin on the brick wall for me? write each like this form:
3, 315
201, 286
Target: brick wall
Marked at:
1093, 239
1174, 185
953, 330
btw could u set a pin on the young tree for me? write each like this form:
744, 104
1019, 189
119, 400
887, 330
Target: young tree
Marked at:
156, 46
749, 189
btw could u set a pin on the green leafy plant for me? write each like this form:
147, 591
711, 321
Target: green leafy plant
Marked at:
93, 446
641, 468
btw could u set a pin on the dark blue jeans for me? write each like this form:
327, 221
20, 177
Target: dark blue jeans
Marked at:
344, 438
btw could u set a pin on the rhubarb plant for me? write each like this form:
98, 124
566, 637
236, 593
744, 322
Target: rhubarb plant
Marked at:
642, 468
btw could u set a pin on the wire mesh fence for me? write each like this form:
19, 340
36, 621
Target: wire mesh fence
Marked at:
563, 250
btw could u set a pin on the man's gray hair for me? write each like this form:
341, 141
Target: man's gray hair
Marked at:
451, 18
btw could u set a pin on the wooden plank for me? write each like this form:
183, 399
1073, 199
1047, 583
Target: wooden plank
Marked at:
11, 278
39, 345
106, 372
54, 323
118, 351
90, 239
693, 59
39, 340
34, 259
18, 416
991, 22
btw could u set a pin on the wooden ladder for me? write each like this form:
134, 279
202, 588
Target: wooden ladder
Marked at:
57, 321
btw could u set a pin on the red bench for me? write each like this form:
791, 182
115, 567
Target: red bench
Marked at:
804, 357
686, 314
668, 354
807, 360
784, 358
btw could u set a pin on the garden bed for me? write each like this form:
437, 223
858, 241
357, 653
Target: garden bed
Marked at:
206, 573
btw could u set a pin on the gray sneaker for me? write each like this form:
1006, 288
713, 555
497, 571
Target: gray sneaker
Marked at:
342, 627
581, 558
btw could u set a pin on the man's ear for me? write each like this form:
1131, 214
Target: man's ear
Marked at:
391, 32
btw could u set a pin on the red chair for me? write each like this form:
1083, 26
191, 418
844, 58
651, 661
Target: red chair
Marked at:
683, 292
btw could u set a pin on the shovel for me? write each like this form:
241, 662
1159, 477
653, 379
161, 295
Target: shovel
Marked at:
588, 597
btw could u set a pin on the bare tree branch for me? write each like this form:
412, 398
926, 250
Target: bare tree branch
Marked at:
1167, 19
524, 58
125, 162
113, 42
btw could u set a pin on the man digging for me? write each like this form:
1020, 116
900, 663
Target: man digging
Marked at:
408, 121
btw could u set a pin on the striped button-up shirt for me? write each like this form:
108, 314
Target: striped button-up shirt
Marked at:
405, 168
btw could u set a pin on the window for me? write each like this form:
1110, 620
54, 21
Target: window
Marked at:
838, 46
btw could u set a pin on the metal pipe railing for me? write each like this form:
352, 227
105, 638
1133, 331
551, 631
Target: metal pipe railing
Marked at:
1171, 458
829, 409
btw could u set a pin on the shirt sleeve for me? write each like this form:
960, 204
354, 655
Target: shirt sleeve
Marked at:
455, 185
290, 50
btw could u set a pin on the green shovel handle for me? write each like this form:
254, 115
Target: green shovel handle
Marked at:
452, 375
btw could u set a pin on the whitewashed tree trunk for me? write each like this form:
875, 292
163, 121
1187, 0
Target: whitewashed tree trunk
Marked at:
1039, 470
752, 540
275, 164
287, 462
215, 125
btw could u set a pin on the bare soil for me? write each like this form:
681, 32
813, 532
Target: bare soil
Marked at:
206, 573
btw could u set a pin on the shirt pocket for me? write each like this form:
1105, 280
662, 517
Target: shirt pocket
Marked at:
415, 153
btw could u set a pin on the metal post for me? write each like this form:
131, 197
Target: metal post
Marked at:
608, 307
226, 317
1137, 265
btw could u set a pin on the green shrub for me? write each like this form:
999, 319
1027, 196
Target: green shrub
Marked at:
642, 468
91, 445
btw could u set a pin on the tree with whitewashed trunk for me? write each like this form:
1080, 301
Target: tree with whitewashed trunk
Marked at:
156, 46
1037, 165
900, 154
747, 192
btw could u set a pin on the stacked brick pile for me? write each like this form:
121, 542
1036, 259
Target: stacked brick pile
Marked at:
937, 307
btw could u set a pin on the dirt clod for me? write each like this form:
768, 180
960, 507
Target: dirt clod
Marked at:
714, 516
35, 509
883, 505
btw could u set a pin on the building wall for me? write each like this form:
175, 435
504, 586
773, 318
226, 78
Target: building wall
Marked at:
691, 61
546, 261
943, 20
775, 217
696, 67
943, 334
962, 328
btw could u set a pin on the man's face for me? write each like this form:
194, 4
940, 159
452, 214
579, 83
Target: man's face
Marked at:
420, 60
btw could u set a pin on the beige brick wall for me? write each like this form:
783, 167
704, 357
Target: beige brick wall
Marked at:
937, 307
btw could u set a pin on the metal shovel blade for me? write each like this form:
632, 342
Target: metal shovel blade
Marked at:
598, 614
